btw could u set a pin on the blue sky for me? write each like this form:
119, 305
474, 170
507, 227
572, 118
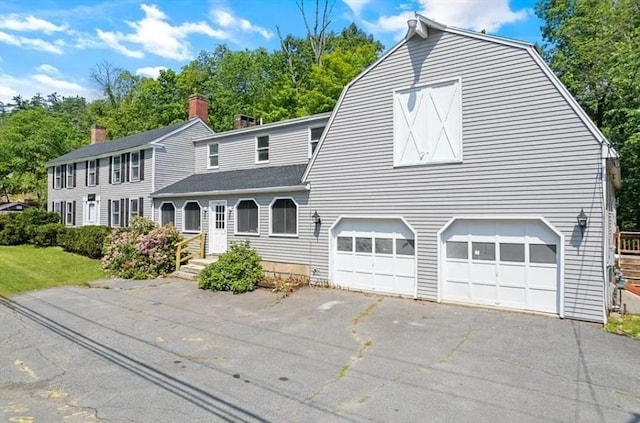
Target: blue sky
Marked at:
50, 46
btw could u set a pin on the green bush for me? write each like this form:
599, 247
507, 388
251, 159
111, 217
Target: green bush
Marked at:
47, 235
84, 240
237, 270
20, 228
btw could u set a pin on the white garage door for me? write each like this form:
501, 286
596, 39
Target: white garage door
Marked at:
374, 255
512, 264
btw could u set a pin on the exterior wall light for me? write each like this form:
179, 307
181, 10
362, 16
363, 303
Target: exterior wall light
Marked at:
316, 218
582, 220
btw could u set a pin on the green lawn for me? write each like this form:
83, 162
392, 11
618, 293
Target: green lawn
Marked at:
627, 324
27, 268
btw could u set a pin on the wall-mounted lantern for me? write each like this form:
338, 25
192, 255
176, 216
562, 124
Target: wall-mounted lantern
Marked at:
582, 220
316, 218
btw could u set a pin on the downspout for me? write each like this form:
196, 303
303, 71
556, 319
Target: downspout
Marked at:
605, 235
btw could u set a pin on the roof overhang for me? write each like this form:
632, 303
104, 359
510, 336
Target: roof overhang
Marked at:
266, 190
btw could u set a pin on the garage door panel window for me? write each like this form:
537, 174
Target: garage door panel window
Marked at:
512, 252
345, 244
542, 253
364, 245
457, 250
405, 247
384, 246
483, 251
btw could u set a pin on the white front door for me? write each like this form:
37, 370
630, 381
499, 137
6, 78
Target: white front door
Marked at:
217, 226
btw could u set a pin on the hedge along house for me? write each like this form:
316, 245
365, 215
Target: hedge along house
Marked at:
247, 186
458, 168
109, 181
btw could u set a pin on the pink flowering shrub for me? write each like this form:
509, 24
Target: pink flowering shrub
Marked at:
141, 251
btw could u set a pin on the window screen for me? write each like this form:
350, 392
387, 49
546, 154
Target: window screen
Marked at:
345, 244
542, 253
483, 250
512, 252
192, 217
247, 215
284, 217
168, 214
457, 250
405, 247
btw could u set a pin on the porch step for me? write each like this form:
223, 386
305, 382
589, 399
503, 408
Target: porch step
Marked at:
184, 275
194, 267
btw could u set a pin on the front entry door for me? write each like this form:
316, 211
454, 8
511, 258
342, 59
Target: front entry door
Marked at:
218, 226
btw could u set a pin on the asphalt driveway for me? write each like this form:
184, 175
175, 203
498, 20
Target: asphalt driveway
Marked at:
164, 351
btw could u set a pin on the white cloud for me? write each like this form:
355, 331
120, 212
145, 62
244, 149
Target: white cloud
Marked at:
477, 15
46, 68
228, 20
150, 71
31, 85
16, 22
356, 6
154, 34
32, 43
112, 40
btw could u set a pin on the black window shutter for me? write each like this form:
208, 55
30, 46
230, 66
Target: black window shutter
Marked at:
53, 206
63, 173
75, 178
123, 219
108, 212
74, 213
110, 168
140, 206
63, 212
53, 180
86, 173
97, 171
142, 165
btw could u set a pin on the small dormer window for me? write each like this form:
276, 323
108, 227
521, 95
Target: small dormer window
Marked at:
314, 138
262, 149
213, 155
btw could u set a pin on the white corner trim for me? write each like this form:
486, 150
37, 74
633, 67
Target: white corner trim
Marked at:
543, 220
235, 217
271, 233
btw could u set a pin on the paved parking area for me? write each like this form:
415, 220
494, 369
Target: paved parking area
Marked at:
164, 351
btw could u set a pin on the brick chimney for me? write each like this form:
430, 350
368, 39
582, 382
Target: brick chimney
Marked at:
243, 121
199, 107
98, 134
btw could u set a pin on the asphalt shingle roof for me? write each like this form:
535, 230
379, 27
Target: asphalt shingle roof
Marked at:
111, 146
263, 177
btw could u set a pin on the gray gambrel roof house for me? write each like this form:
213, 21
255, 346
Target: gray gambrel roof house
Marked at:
248, 180
108, 147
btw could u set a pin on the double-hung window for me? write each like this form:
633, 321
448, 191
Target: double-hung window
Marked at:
70, 176
68, 216
134, 170
262, 149
314, 138
247, 217
115, 170
134, 209
213, 155
92, 173
284, 217
115, 213
57, 177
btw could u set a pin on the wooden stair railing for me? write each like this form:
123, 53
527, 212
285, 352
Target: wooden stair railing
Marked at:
192, 246
628, 251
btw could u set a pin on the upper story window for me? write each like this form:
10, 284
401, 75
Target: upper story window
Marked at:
247, 217
191, 220
92, 173
427, 124
57, 177
284, 217
71, 176
262, 149
116, 171
134, 166
167, 214
213, 155
314, 138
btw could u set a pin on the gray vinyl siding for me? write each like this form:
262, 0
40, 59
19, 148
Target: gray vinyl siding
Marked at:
175, 161
525, 152
271, 248
287, 145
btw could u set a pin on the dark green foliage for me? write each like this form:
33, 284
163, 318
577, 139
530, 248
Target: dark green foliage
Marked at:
84, 240
20, 228
237, 270
47, 235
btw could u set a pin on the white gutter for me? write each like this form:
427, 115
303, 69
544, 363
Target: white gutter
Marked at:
306, 187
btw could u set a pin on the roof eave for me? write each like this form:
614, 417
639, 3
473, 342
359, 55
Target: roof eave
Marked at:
289, 188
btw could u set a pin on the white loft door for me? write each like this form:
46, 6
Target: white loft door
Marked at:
217, 227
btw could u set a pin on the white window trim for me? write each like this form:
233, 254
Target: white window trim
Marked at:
57, 177
69, 175
271, 216
458, 80
114, 168
93, 162
131, 166
235, 222
68, 219
217, 154
57, 208
268, 148
184, 220
160, 212
113, 213
311, 128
